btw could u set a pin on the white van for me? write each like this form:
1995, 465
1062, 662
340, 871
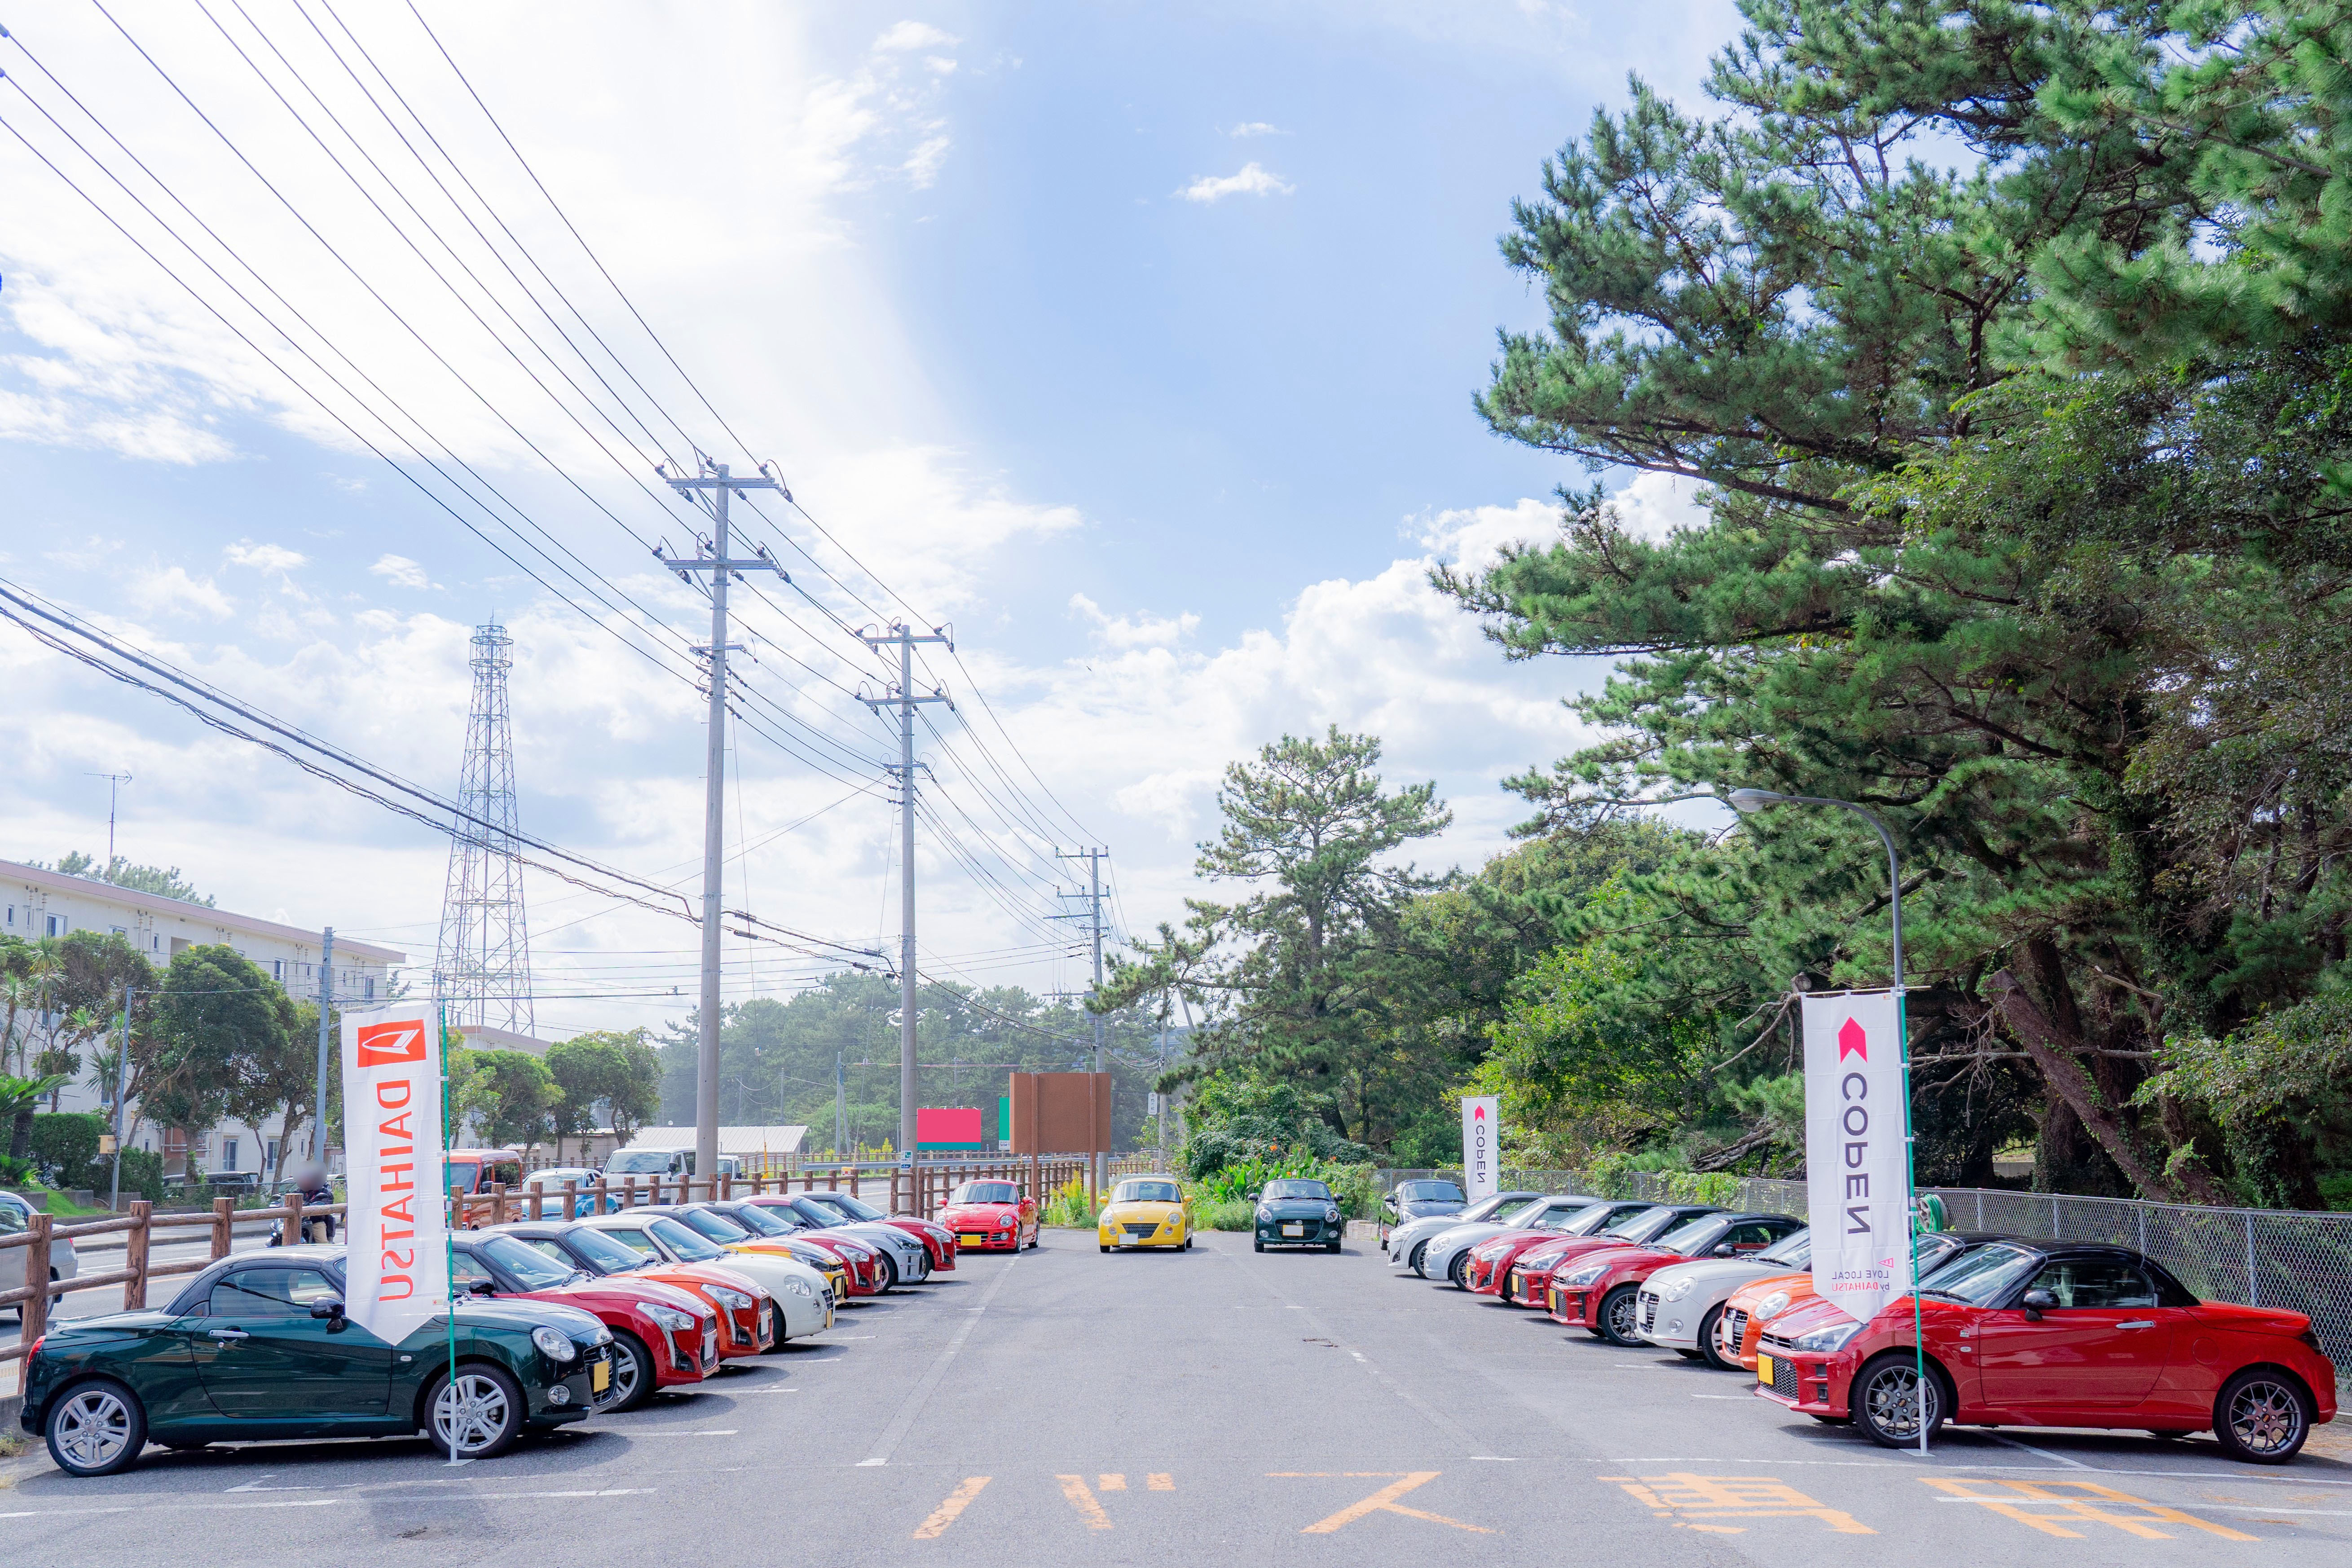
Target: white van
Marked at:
623, 1164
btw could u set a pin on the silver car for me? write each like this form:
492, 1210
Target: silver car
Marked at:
1407, 1241
16, 1218
1447, 1254
1679, 1307
909, 1260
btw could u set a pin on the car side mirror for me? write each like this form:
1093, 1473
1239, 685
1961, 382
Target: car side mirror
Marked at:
330, 1310
2037, 1302
1724, 1249
482, 1287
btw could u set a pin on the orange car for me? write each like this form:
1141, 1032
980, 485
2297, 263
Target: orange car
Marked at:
1758, 1302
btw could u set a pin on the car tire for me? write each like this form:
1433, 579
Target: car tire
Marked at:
1709, 1328
1331, 1246
2263, 1417
1620, 1316
1420, 1256
490, 1414
1690, 1354
1458, 1271
95, 1428
1259, 1245
633, 1374
1101, 1248
1883, 1403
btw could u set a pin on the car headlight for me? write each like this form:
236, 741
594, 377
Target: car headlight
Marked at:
1771, 1306
1264, 1213
735, 1299
799, 1287
1332, 1213
1586, 1274
670, 1318
1675, 1289
1004, 1222
1832, 1338
555, 1344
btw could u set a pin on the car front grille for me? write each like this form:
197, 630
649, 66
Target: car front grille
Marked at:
1784, 1377
1649, 1310
1735, 1330
1140, 1227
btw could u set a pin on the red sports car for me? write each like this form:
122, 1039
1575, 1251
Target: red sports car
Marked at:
2052, 1335
1600, 1290
662, 1336
991, 1216
1509, 1270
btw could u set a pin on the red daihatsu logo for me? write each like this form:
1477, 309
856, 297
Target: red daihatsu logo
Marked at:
1852, 1042
382, 1043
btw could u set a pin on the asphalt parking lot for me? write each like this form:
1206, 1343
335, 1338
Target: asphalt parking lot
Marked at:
1183, 1408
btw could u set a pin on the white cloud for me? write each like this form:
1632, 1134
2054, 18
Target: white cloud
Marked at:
1136, 631
172, 589
1257, 128
1655, 505
1252, 181
264, 557
904, 35
400, 571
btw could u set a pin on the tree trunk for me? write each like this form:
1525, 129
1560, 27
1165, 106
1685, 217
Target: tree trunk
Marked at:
2053, 1054
20, 1136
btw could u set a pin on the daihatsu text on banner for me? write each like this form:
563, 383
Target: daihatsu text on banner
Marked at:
1481, 1143
1857, 1167
397, 1276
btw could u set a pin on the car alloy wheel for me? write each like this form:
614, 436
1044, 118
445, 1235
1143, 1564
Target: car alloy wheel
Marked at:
96, 1429
483, 1409
1886, 1400
633, 1376
1621, 1316
1458, 1271
2261, 1418
1420, 1256
1710, 1328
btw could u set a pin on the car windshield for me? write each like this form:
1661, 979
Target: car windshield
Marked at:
1145, 1193
1794, 1250
557, 1178
1428, 1192
855, 1208
535, 1269
1981, 1275
682, 1241
717, 1226
1646, 1225
637, 1163
985, 1192
1297, 1189
1690, 1240
603, 1251
753, 1218
815, 1213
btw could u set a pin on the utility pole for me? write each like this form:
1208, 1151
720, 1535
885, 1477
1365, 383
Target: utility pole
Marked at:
902, 697
114, 782
712, 490
840, 1111
326, 1005
1093, 859
121, 1091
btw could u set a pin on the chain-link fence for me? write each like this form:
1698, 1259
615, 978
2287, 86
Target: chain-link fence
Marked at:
2263, 1257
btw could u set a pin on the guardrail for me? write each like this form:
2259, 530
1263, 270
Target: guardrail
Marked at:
922, 1190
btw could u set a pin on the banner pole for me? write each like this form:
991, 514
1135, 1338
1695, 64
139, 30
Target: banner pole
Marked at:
1910, 1142
448, 1231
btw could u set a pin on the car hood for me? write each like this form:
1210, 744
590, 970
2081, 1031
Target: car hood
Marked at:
617, 1293
769, 1271
980, 1214
1426, 1208
1798, 1282
1425, 1228
882, 1232
1725, 1274
1454, 1237
1152, 1209
521, 1314
1287, 1208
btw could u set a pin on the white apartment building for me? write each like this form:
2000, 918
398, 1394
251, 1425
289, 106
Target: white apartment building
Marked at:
36, 903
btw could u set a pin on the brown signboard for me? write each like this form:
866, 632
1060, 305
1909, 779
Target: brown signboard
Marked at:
1061, 1112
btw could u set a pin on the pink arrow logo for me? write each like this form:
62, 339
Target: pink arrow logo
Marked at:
1852, 1042
1477, 1114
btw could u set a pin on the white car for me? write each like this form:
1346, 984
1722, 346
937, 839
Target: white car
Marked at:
1679, 1306
1406, 1242
1448, 1252
803, 1295
14, 1219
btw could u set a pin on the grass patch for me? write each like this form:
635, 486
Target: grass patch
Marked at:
1234, 1213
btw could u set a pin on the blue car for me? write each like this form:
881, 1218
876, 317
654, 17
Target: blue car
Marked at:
1294, 1211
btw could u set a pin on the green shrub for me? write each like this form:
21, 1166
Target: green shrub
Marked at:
65, 1144
1067, 1206
1227, 1213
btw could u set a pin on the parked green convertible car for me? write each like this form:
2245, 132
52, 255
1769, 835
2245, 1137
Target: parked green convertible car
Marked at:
258, 1347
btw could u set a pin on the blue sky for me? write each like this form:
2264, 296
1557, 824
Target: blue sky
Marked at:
1137, 342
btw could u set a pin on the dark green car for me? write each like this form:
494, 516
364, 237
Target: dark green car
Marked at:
258, 1347
1295, 1211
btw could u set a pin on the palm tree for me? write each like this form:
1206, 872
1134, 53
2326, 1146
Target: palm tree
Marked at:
19, 1097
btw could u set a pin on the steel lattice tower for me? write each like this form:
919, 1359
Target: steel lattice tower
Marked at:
484, 962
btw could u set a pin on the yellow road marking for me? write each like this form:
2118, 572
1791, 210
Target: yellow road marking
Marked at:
1111, 1483
1686, 1498
2079, 1501
945, 1514
1161, 1483
1075, 1489
1382, 1501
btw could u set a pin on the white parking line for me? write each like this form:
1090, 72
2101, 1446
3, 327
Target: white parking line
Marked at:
912, 1405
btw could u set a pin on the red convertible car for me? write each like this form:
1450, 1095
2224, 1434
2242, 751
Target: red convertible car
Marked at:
1600, 1290
1494, 1261
991, 1216
2052, 1335
662, 1336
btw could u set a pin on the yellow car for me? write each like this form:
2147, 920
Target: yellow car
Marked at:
1146, 1211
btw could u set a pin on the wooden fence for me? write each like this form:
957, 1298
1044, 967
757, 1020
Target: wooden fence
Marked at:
920, 1191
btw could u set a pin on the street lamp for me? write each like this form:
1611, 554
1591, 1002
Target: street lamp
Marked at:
1747, 802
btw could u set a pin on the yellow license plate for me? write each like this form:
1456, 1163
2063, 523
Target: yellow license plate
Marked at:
601, 1377
1764, 1370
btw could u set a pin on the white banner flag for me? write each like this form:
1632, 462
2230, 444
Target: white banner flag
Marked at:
1857, 1165
1482, 1140
397, 1275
